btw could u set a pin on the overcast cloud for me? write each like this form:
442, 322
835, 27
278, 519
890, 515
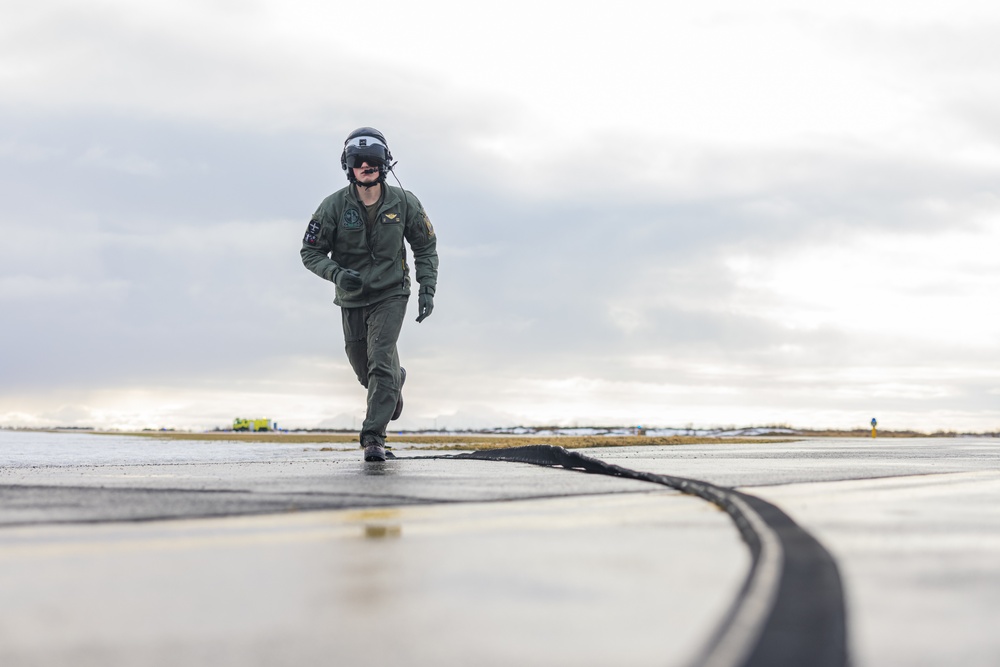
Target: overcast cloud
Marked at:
647, 214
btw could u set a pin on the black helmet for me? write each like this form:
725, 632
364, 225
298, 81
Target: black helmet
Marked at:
365, 144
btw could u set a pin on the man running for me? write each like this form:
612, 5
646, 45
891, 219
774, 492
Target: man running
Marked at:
355, 240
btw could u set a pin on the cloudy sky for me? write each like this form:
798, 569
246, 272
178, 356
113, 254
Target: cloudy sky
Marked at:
648, 213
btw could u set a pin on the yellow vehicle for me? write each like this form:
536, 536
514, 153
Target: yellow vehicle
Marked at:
253, 425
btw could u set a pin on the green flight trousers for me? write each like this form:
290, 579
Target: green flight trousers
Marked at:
370, 335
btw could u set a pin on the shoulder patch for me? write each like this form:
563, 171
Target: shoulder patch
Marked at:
312, 232
351, 220
430, 227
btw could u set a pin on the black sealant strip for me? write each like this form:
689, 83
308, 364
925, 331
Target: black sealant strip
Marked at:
790, 610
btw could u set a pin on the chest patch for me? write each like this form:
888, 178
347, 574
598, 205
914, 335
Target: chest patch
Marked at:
351, 220
390, 218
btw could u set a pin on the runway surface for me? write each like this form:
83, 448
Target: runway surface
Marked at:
118, 550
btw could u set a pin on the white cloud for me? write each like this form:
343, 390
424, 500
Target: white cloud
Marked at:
707, 214
934, 288
100, 156
41, 289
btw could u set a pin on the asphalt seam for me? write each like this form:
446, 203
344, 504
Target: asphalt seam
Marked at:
737, 635
790, 610
269, 502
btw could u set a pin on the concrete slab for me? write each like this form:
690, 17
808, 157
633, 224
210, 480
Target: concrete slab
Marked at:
472, 560
626, 579
913, 523
816, 460
80, 477
558, 568
920, 559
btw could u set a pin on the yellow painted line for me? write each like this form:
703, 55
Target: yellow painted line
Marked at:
543, 515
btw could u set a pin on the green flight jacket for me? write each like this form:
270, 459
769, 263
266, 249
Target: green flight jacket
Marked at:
338, 238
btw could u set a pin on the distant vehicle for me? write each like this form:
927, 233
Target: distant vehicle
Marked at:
253, 425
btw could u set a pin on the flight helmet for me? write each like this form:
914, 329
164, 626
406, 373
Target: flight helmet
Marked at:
366, 144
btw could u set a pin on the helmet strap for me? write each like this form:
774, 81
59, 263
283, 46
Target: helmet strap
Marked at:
367, 186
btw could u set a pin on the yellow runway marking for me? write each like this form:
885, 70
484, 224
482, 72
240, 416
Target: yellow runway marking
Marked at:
21, 543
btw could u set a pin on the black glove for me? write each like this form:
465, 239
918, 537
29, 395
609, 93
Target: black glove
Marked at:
425, 306
348, 280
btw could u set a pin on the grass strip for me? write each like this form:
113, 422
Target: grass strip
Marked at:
449, 442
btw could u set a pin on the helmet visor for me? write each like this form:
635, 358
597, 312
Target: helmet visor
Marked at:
365, 149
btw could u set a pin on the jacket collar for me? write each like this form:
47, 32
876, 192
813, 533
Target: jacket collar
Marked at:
389, 199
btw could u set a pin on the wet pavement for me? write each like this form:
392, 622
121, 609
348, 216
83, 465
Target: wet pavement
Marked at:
914, 525
430, 561
920, 558
593, 580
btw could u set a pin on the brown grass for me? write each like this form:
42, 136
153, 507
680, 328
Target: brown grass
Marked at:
446, 442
